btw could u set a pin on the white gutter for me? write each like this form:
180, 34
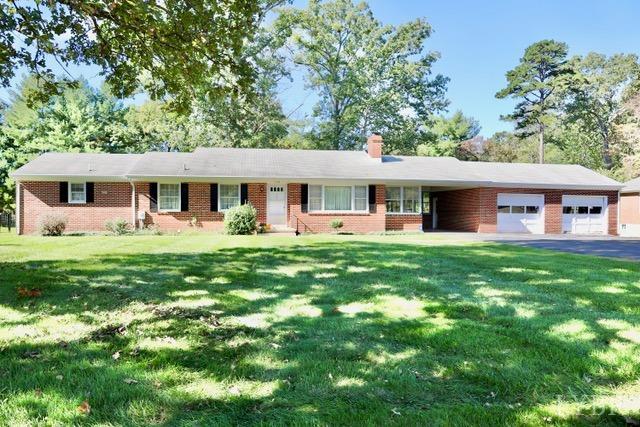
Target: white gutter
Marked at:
67, 177
133, 205
18, 228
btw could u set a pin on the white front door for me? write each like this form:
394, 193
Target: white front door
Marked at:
277, 204
584, 214
520, 213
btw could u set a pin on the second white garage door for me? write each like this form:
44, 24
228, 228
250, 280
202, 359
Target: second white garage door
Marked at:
584, 214
520, 213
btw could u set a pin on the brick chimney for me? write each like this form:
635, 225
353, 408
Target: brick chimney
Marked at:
374, 146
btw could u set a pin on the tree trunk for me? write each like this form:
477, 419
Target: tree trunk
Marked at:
606, 154
541, 144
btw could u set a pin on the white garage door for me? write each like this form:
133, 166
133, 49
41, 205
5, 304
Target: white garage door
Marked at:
521, 213
584, 214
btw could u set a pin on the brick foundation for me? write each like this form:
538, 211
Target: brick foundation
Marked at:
403, 222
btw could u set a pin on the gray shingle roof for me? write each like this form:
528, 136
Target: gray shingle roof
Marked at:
632, 186
97, 165
210, 163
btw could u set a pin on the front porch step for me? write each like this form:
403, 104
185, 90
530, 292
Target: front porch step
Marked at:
281, 230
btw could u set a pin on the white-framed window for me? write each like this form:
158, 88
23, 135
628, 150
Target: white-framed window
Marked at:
411, 199
77, 192
229, 195
360, 196
315, 198
393, 199
338, 198
403, 199
169, 197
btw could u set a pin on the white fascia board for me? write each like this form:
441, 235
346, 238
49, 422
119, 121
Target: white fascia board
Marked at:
545, 186
309, 180
629, 190
49, 177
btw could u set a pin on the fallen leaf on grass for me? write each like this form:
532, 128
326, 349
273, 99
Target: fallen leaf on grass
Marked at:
35, 354
84, 408
116, 355
29, 293
395, 412
130, 381
59, 377
38, 392
109, 331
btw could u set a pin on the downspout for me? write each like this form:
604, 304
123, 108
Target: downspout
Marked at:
133, 205
18, 228
618, 225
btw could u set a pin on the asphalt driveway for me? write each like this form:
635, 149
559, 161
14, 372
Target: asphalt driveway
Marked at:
606, 246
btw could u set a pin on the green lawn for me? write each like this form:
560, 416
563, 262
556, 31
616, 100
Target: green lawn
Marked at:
317, 330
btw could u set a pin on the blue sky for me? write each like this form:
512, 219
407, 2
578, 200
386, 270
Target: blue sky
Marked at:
480, 41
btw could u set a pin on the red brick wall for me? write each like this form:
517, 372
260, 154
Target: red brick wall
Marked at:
199, 206
464, 210
403, 222
111, 200
476, 209
458, 210
319, 222
630, 208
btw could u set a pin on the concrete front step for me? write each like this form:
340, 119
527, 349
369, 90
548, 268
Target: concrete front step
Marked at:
282, 231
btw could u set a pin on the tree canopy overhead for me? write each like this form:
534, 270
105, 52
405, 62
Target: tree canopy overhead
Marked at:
172, 48
369, 77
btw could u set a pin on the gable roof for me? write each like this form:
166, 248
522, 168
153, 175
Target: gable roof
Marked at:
310, 165
81, 165
632, 186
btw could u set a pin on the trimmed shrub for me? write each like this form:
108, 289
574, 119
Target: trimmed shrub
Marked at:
52, 224
241, 220
336, 224
118, 226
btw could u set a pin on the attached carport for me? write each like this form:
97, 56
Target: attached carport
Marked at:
531, 199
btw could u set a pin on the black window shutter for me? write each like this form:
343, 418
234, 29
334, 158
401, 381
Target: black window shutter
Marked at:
90, 192
64, 192
214, 197
153, 196
372, 199
184, 196
244, 194
304, 198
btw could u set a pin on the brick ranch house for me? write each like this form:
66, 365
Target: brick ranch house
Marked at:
306, 189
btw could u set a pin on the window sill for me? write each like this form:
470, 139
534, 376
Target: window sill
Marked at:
404, 214
162, 211
77, 203
328, 213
